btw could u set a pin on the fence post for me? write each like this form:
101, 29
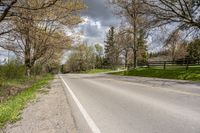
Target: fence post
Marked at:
164, 65
148, 66
187, 63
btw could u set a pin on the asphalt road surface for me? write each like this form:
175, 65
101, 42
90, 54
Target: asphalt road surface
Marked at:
126, 105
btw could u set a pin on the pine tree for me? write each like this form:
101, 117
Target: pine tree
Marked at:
110, 48
142, 53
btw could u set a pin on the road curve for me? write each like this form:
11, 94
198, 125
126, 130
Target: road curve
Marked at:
120, 106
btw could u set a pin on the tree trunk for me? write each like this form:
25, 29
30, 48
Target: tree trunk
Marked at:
28, 71
27, 56
28, 65
135, 39
126, 59
135, 59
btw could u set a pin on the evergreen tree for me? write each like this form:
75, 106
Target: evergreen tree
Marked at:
194, 49
110, 50
142, 53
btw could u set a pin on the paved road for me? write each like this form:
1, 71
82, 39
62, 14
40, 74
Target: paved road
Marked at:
118, 105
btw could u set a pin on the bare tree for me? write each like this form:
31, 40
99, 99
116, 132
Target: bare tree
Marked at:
183, 12
124, 41
39, 32
5, 7
82, 58
99, 55
134, 12
8, 9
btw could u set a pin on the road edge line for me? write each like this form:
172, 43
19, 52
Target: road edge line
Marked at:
87, 117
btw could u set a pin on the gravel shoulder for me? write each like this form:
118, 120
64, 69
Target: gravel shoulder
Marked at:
50, 113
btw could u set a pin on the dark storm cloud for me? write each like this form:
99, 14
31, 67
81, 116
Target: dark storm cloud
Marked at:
100, 10
100, 16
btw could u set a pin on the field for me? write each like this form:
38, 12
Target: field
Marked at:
95, 71
171, 72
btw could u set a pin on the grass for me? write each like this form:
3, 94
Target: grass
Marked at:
10, 110
17, 83
171, 73
95, 71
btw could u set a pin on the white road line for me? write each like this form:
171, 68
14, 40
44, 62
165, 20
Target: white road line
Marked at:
89, 120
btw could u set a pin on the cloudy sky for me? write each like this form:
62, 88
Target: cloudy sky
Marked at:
98, 17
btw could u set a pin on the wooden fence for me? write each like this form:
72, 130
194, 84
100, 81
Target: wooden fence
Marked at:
182, 62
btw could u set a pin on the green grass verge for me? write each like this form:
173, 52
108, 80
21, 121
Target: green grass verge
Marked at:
10, 110
17, 82
173, 73
95, 71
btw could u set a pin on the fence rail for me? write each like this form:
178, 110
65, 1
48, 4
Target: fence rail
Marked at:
182, 62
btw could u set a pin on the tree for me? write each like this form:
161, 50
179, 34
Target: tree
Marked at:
41, 49
184, 12
135, 13
181, 51
172, 44
82, 58
124, 41
142, 49
194, 49
99, 50
38, 28
182, 15
8, 9
5, 6
99, 55
111, 49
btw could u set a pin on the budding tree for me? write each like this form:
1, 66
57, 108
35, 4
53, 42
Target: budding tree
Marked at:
134, 12
38, 28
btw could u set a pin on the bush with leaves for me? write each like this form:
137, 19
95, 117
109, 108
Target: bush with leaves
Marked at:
12, 70
194, 49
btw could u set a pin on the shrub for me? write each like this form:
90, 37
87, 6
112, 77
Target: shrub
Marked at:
1, 80
12, 70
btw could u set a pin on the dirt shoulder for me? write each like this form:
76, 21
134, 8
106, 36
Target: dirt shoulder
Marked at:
49, 114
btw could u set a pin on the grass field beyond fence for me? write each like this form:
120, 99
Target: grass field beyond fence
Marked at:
95, 71
10, 110
171, 73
